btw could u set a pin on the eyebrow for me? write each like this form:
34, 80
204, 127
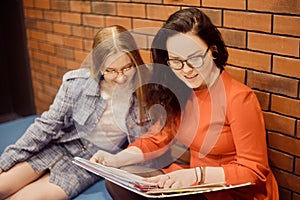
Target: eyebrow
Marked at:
189, 56
125, 66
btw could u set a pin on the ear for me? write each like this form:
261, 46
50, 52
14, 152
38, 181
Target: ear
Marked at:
214, 51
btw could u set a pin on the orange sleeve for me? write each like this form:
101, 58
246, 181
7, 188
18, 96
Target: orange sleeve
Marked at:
248, 130
156, 140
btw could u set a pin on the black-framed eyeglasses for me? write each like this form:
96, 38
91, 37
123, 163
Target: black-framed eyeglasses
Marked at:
193, 62
112, 74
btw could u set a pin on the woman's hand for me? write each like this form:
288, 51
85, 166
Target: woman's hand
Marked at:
1, 170
177, 179
105, 158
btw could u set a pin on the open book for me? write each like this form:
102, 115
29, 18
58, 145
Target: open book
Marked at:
136, 183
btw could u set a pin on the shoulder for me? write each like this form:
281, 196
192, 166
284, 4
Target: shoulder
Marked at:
82, 73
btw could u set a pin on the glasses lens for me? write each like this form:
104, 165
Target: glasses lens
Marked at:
195, 62
175, 64
110, 75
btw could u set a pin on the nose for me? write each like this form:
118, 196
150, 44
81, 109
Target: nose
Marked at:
121, 79
186, 68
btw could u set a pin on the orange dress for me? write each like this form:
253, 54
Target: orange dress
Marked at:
223, 126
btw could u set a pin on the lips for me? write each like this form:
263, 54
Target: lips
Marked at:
190, 77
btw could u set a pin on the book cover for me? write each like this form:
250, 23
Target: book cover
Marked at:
136, 183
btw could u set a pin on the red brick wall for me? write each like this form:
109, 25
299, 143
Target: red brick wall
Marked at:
263, 38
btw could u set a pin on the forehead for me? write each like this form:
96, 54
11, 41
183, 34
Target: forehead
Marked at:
117, 60
184, 44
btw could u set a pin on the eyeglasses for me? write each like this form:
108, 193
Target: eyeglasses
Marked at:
112, 74
193, 62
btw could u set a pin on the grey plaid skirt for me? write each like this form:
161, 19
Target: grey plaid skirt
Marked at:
58, 159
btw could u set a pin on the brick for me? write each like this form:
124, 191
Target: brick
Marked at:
183, 2
141, 41
131, 10
231, 4
87, 45
287, 25
40, 56
146, 26
128, 0
40, 76
38, 14
237, 73
39, 35
62, 28
123, 21
297, 166
275, 6
215, 15
52, 16
286, 106
56, 82
287, 180
30, 24
146, 56
93, 20
43, 4
48, 69
55, 60
274, 44
285, 194
61, 5
79, 6
72, 18
281, 160
104, 8
160, 12
73, 42
28, 3
54, 38
47, 48
33, 44
263, 98
273, 83
66, 53
248, 59
280, 123
44, 26
73, 64
81, 31
51, 91
234, 38
284, 143
296, 196
286, 66
247, 20
80, 55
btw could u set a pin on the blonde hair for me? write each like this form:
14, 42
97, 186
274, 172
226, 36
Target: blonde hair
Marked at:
110, 40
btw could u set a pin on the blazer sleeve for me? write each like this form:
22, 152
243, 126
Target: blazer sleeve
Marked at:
248, 130
41, 132
157, 140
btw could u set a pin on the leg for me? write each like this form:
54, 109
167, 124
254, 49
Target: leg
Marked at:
40, 189
16, 178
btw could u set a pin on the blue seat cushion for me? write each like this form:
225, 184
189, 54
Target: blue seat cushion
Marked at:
12, 130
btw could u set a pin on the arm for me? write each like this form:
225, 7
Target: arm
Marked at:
248, 131
150, 145
41, 132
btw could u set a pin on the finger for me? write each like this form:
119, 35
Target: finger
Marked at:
162, 180
153, 179
176, 185
169, 183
